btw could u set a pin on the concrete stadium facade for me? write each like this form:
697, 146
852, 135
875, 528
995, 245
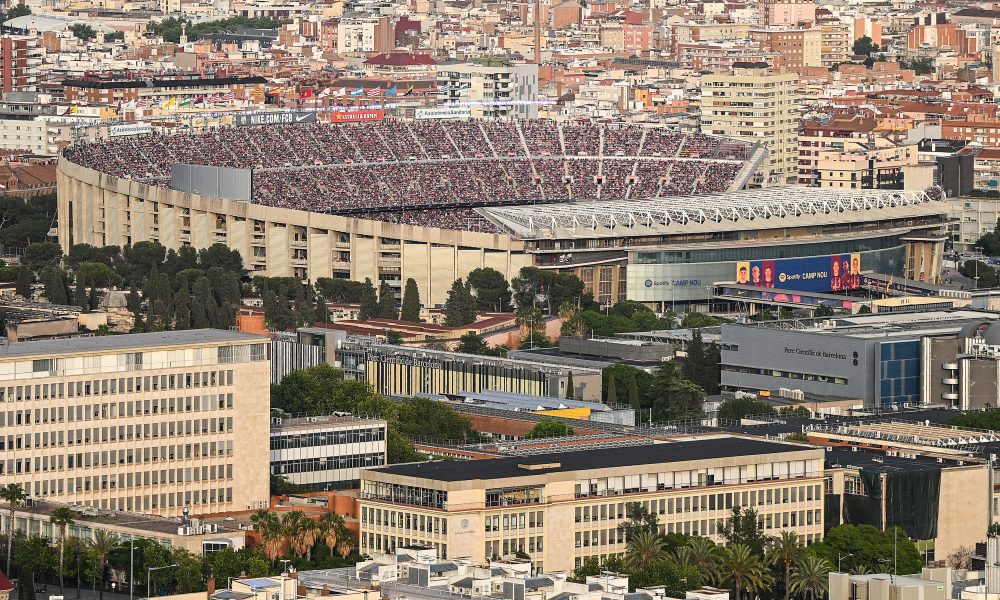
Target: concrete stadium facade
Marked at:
100, 209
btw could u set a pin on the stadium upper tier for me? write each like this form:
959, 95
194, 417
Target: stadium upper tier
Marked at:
434, 174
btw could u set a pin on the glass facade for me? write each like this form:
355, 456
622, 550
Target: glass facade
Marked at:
899, 372
734, 253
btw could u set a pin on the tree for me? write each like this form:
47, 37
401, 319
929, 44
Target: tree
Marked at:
864, 46
300, 530
101, 545
633, 395
639, 519
865, 309
693, 367
621, 374
868, 546
470, 343
222, 256
702, 555
80, 294
23, 283
611, 394
743, 570
738, 408
386, 308
961, 558
42, 254
548, 428
369, 301
985, 275
823, 311
332, 530
272, 535
682, 399
696, 320
810, 577
460, 306
490, 288
83, 32
785, 550
56, 287
644, 548
62, 518
570, 388
742, 528
14, 496
411, 302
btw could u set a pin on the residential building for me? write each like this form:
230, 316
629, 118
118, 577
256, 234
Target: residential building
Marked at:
362, 35
326, 452
150, 423
819, 136
797, 48
20, 61
753, 104
497, 89
987, 170
879, 165
787, 12
971, 218
562, 508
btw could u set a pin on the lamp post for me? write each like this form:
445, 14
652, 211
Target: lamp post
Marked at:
149, 578
841, 557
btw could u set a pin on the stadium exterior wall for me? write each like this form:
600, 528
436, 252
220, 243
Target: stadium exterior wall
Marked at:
100, 209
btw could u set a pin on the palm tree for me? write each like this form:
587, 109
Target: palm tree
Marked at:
101, 546
701, 554
744, 570
268, 527
785, 550
332, 529
14, 496
644, 548
62, 518
300, 530
810, 577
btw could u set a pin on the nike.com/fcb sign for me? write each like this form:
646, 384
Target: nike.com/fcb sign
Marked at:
276, 118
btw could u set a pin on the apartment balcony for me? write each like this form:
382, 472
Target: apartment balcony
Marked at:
390, 261
950, 366
341, 265
950, 381
949, 396
300, 243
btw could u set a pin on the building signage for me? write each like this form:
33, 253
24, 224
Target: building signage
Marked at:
129, 129
442, 113
354, 116
835, 273
816, 353
276, 118
671, 282
406, 360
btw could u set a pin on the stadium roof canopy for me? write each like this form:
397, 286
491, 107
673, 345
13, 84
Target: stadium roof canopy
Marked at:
728, 211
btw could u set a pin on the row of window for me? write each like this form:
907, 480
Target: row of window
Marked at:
285, 441
76, 485
46, 439
388, 544
786, 374
711, 476
403, 520
154, 454
513, 522
328, 463
145, 503
119, 385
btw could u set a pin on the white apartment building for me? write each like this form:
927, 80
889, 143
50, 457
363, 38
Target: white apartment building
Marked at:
149, 423
755, 105
492, 89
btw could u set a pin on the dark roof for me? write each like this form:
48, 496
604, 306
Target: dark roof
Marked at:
533, 583
443, 567
608, 458
881, 462
465, 582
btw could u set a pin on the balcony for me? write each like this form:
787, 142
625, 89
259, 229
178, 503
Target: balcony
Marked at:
950, 381
390, 261
299, 243
950, 366
949, 396
341, 265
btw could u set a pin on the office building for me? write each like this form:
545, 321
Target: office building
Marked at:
326, 453
564, 507
150, 423
753, 104
885, 359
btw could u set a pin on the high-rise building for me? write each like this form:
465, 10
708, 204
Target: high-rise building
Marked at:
754, 104
151, 422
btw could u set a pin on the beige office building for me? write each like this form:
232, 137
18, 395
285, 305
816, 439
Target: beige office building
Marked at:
562, 508
752, 103
149, 423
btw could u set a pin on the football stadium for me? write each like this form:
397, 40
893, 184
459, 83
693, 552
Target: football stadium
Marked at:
432, 200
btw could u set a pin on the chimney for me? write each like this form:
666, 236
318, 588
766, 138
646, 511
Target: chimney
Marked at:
211, 587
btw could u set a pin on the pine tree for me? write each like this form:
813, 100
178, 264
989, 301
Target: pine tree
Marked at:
460, 307
612, 398
201, 290
95, 300
386, 302
80, 293
369, 302
24, 280
55, 286
693, 368
411, 302
182, 310
713, 371
570, 390
633, 395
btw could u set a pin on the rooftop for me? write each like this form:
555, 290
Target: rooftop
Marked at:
133, 341
560, 462
739, 210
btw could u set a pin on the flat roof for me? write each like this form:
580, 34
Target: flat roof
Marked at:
129, 341
558, 462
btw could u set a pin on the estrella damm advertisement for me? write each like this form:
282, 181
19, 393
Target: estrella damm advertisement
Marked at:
835, 273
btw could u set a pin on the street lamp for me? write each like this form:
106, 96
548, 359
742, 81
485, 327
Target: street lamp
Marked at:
149, 578
841, 557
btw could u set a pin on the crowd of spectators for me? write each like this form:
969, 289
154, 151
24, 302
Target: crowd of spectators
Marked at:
378, 169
